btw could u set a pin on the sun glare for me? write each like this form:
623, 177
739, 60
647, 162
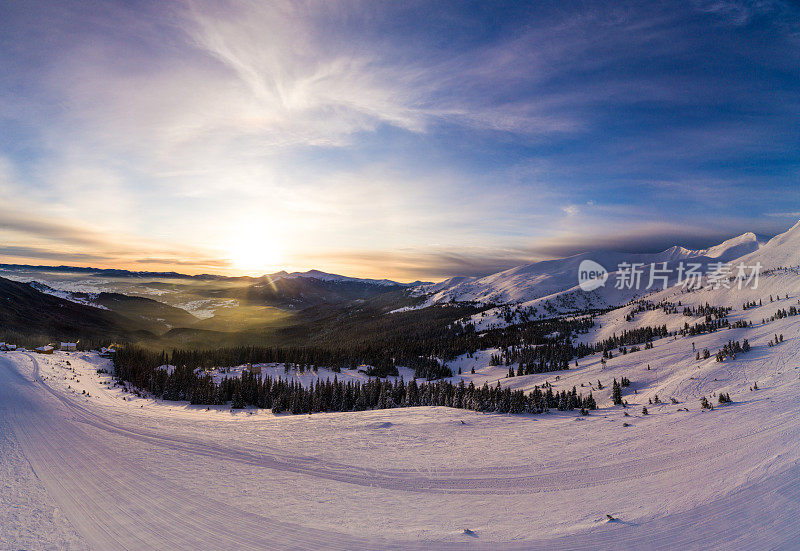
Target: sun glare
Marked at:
256, 251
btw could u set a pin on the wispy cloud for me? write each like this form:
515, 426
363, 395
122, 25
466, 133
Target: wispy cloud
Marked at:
795, 214
51, 255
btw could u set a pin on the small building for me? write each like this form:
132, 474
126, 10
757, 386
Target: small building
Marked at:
47, 349
253, 368
69, 346
5, 347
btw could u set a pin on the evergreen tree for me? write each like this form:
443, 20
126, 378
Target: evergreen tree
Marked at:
237, 401
616, 393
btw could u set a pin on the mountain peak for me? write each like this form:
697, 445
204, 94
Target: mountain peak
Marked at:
733, 248
783, 250
334, 278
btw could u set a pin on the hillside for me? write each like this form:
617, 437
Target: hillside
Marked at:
144, 313
27, 311
297, 292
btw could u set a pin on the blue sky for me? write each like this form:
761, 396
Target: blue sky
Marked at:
405, 140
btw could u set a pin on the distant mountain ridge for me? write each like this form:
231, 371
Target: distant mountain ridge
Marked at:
112, 272
335, 278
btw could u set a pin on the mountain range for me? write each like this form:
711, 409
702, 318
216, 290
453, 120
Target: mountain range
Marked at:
549, 279
151, 304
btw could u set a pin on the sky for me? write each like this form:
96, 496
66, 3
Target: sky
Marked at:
406, 140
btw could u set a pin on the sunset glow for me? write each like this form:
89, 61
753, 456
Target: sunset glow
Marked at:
255, 250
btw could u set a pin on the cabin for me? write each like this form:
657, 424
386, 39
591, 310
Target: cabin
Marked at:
5, 347
253, 368
69, 346
47, 349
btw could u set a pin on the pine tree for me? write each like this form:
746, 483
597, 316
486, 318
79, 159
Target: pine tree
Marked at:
237, 401
616, 393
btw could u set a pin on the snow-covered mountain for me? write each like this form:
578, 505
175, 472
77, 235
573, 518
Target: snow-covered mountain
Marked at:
557, 280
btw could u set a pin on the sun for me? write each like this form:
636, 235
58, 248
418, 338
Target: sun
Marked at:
255, 250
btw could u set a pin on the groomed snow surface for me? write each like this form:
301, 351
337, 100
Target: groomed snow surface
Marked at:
86, 464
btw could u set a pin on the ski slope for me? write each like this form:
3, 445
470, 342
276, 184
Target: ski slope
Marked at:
110, 470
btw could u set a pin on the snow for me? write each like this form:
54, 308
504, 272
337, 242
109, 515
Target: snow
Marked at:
137, 472
29, 517
733, 248
89, 300
781, 251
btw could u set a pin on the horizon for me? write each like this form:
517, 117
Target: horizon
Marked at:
406, 142
763, 239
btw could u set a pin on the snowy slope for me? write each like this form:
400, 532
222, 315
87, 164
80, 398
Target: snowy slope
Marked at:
732, 248
781, 251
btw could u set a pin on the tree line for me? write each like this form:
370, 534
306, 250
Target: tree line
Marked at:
280, 395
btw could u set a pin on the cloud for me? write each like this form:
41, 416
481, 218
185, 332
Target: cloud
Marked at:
795, 214
437, 263
51, 254
63, 241
297, 84
739, 12
33, 225
411, 265
195, 263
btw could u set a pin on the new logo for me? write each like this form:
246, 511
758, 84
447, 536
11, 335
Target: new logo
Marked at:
591, 275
